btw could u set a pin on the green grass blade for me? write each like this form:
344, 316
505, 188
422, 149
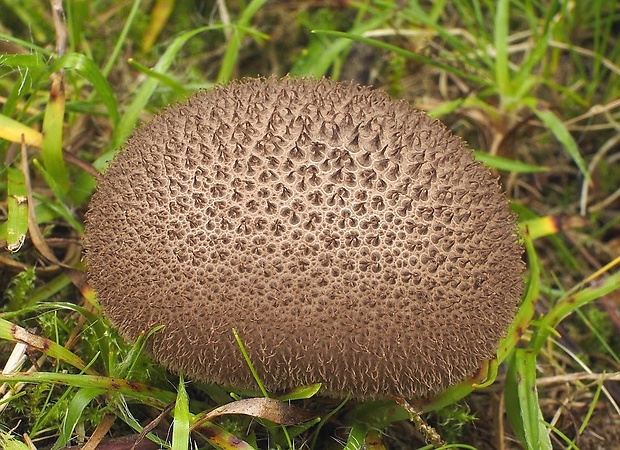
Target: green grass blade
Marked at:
130, 118
148, 394
49, 180
180, 425
26, 44
522, 401
534, 57
57, 206
560, 131
406, 53
12, 130
527, 309
15, 333
224, 440
302, 392
569, 304
51, 146
248, 361
318, 58
7, 442
17, 215
122, 38
508, 165
89, 70
43, 214
474, 62
502, 77
122, 412
74, 413
29, 61
357, 436
232, 51
126, 367
179, 88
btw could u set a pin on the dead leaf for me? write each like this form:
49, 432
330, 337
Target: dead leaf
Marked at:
263, 408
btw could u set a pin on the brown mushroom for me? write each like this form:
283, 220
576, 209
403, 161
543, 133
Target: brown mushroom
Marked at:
350, 239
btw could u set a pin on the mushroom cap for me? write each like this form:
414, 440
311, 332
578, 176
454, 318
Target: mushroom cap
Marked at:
349, 239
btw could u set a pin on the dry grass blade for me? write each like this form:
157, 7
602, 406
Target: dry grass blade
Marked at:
102, 429
77, 277
270, 409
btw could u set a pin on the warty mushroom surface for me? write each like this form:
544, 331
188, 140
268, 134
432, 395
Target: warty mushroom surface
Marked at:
350, 240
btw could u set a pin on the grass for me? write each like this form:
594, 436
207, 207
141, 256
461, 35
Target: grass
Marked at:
532, 86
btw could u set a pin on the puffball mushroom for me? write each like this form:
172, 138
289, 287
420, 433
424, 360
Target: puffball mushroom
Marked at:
349, 239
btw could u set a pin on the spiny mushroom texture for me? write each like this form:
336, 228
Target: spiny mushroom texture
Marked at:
349, 239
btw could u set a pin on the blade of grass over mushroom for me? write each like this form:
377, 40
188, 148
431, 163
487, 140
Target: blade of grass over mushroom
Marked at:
248, 361
301, 393
17, 214
180, 424
522, 406
506, 164
134, 389
406, 53
232, 50
53, 122
560, 132
264, 408
12, 130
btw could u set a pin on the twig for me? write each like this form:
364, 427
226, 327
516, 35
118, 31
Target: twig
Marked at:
58, 15
580, 376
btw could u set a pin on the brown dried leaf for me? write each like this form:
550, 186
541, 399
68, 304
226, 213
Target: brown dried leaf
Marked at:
263, 408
